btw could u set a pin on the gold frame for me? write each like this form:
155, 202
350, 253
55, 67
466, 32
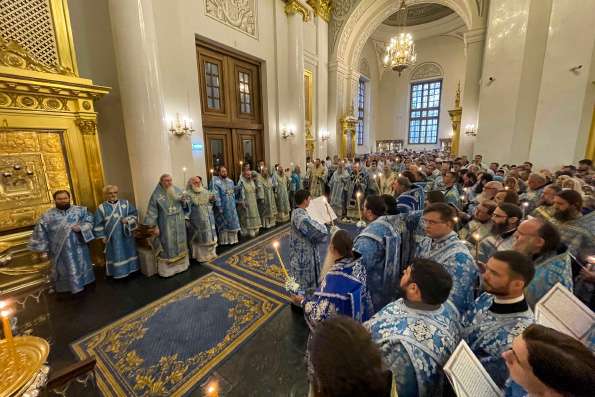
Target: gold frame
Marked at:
37, 97
590, 151
309, 111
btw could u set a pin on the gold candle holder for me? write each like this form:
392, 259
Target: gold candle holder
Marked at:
5, 314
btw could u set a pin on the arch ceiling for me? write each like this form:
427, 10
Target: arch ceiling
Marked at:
419, 14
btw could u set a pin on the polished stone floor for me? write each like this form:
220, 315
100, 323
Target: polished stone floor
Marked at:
271, 363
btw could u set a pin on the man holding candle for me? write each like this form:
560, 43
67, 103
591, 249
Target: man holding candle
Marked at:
480, 227
167, 210
317, 178
339, 185
201, 231
306, 234
62, 233
281, 184
266, 196
505, 220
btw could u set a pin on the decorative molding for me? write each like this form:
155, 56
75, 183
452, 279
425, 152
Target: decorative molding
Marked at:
339, 14
240, 15
426, 70
364, 67
14, 55
294, 6
86, 126
322, 8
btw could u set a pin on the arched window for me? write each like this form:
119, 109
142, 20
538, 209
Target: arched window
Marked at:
424, 103
361, 106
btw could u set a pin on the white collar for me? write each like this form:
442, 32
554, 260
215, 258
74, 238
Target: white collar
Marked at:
509, 301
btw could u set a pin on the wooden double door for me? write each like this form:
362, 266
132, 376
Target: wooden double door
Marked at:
230, 89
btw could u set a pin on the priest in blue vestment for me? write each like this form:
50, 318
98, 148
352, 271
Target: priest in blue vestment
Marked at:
418, 333
202, 234
378, 248
501, 313
410, 196
339, 185
442, 244
115, 220
540, 240
62, 233
343, 290
305, 237
226, 214
167, 209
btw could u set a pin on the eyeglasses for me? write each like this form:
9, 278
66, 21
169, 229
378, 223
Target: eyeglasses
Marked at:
494, 215
431, 222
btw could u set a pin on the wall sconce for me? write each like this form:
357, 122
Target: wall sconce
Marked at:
324, 135
179, 127
471, 130
287, 131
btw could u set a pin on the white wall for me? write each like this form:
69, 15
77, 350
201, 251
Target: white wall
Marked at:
96, 61
391, 119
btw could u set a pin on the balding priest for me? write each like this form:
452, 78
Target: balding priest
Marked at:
166, 209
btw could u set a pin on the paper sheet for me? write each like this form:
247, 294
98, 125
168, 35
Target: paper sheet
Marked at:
467, 375
321, 210
561, 310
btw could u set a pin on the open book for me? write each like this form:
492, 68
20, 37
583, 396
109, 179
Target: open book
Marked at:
467, 376
561, 310
321, 210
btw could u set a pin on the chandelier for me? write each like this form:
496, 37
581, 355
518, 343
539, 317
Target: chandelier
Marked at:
400, 52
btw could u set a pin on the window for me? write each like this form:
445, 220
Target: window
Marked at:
213, 85
245, 96
424, 112
361, 103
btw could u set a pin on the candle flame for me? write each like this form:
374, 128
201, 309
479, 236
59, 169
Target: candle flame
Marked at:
358, 194
591, 259
455, 219
525, 204
275, 244
213, 389
212, 170
476, 236
3, 304
184, 169
6, 313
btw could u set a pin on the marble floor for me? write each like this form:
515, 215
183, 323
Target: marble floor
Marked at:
271, 363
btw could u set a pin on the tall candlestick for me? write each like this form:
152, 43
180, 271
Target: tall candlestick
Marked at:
476, 237
276, 247
184, 173
359, 210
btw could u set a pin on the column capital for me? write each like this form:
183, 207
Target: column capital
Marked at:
294, 6
322, 8
474, 36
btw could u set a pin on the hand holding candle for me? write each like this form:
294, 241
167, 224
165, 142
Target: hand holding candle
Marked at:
476, 236
328, 211
5, 314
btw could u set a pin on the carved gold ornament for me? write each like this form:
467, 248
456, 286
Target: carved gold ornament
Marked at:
13, 55
294, 6
87, 126
17, 369
322, 8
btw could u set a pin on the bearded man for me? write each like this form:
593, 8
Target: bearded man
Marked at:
576, 230
167, 210
201, 231
62, 233
546, 209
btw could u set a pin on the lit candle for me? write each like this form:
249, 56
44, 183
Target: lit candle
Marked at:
5, 314
359, 210
213, 389
525, 205
276, 247
455, 219
184, 172
211, 171
506, 187
476, 237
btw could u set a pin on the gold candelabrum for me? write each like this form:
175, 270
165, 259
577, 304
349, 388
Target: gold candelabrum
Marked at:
455, 117
348, 128
180, 127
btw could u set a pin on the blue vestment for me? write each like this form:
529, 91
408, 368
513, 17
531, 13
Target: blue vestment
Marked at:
68, 251
342, 292
453, 254
415, 344
378, 247
226, 215
304, 259
489, 334
411, 200
121, 258
550, 269
453, 196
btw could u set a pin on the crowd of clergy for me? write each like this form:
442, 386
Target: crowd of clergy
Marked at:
452, 250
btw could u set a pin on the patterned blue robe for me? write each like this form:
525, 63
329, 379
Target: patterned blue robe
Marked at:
550, 268
67, 250
169, 215
513, 389
378, 248
453, 254
490, 334
578, 234
411, 200
339, 185
304, 259
343, 292
121, 257
226, 215
415, 344
453, 196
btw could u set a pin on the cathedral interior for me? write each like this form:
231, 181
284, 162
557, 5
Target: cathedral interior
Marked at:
121, 92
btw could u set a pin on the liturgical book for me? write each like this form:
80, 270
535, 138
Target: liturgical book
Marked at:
467, 375
321, 210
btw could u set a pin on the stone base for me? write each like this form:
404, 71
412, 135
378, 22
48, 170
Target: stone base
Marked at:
148, 264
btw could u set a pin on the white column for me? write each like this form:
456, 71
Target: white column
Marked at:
322, 85
296, 99
474, 43
136, 51
567, 93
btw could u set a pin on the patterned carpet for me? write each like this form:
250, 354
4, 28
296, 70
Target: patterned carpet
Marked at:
256, 263
167, 347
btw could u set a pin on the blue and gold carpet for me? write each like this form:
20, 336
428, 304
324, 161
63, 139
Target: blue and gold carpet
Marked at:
167, 347
256, 263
